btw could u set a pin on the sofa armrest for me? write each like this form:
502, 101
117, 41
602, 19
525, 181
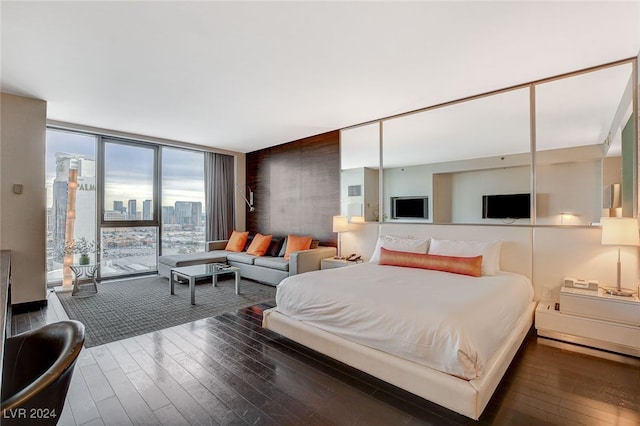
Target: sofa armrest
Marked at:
309, 260
215, 245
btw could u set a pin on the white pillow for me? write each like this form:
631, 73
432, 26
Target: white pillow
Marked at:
391, 242
489, 250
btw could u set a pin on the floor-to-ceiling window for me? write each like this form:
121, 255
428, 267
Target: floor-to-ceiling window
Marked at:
132, 200
183, 204
129, 222
71, 195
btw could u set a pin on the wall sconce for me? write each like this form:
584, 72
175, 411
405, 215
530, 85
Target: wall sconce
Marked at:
340, 225
620, 231
249, 201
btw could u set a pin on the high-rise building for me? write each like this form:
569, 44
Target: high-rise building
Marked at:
147, 212
132, 212
85, 198
118, 206
188, 213
168, 215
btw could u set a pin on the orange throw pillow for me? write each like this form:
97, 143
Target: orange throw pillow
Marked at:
259, 245
458, 265
237, 240
295, 243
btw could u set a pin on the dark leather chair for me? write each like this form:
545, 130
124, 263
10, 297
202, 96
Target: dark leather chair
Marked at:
37, 371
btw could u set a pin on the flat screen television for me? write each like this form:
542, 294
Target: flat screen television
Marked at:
506, 206
409, 207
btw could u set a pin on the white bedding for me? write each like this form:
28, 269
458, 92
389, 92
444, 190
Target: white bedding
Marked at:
449, 322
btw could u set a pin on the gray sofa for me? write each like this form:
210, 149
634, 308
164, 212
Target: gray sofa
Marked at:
265, 269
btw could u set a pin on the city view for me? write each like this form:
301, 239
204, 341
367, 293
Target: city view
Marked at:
128, 188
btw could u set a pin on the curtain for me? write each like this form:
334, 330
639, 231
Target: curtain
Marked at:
219, 196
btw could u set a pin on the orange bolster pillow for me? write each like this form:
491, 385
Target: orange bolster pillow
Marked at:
457, 265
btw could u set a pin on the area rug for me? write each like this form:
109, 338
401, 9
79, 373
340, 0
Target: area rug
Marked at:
129, 308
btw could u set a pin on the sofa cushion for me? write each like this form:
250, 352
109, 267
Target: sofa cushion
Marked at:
241, 258
248, 243
283, 249
189, 259
275, 247
296, 243
272, 263
237, 241
259, 245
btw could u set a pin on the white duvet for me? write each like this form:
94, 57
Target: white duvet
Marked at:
449, 322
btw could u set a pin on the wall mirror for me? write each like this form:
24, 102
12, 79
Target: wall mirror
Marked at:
455, 156
585, 147
359, 175
470, 161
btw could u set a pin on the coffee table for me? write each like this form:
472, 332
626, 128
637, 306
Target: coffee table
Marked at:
191, 273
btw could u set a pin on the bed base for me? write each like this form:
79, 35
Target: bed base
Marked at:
467, 397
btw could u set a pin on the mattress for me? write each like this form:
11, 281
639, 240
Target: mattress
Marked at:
448, 322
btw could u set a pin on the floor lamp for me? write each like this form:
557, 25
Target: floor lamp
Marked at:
340, 225
620, 231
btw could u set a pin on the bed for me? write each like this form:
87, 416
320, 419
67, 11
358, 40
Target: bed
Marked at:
446, 337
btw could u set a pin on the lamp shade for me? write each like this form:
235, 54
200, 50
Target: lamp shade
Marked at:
620, 231
340, 224
357, 219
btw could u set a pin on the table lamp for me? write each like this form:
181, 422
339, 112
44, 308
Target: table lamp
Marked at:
357, 219
340, 225
619, 231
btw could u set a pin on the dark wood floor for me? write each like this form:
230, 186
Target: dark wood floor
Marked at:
228, 370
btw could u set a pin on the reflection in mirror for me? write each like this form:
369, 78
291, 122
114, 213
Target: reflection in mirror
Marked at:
584, 131
360, 164
454, 156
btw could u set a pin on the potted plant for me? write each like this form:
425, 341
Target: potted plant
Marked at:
82, 247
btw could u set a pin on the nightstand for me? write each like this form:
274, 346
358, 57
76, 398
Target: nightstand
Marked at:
592, 318
332, 263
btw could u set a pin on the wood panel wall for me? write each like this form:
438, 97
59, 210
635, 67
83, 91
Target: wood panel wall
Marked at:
296, 187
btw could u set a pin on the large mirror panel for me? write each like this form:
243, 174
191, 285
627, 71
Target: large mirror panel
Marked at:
467, 162
359, 176
585, 147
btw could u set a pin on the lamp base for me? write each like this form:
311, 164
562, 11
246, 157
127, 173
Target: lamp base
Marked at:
614, 291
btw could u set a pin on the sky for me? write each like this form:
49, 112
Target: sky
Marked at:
129, 169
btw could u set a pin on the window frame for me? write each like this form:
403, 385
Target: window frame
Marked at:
101, 139
100, 182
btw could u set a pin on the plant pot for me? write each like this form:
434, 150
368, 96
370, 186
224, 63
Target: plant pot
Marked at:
84, 259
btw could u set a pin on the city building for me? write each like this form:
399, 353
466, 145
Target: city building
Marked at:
132, 212
85, 200
147, 212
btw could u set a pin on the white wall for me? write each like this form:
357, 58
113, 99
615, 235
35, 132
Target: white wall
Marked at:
23, 216
359, 205
559, 190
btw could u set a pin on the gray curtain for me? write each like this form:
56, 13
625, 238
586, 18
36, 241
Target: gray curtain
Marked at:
219, 195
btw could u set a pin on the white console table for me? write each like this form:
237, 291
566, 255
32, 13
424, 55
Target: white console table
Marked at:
594, 319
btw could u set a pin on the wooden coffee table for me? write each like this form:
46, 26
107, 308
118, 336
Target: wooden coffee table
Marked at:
191, 273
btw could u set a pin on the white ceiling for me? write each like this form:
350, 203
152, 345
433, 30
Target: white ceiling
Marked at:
247, 75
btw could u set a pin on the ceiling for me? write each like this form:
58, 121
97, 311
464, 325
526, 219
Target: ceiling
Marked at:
243, 76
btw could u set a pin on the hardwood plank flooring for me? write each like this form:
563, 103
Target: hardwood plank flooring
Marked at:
228, 370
